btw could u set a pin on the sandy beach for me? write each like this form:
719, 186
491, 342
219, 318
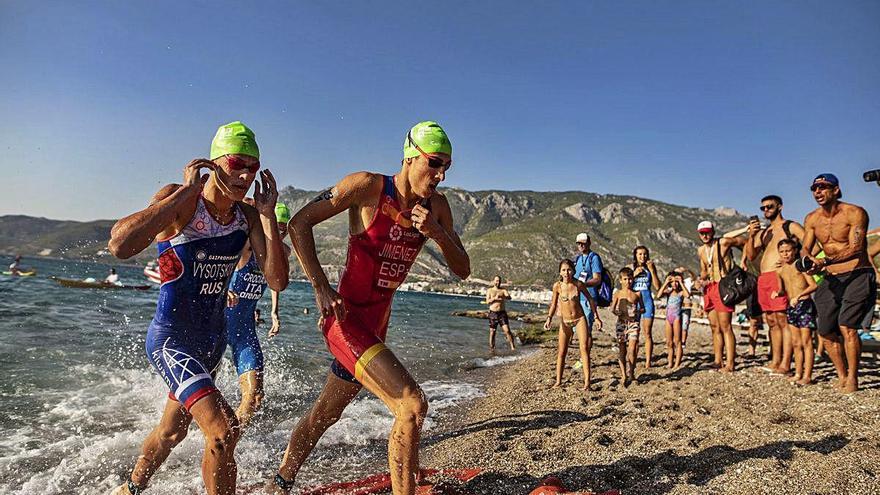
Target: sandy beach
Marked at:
673, 432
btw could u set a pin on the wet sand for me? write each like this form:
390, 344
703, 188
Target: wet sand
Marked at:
672, 432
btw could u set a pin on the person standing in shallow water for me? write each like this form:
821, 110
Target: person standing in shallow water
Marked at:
495, 297
201, 227
390, 219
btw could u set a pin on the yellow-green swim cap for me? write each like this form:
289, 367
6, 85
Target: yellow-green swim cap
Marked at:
234, 138
429, 136
282, 213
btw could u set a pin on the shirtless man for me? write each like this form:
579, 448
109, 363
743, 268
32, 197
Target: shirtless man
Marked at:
201, 227
849, 287
764, 242
495, 297
390, 218
715, 261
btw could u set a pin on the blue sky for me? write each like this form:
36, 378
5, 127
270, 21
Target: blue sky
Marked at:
694, 103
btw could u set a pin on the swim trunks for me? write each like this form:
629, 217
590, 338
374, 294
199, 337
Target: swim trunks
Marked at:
768, 282
187, 335
377, 263
498, 318
642, 285
803, 315
627, 330
843, 300
712, 299
248, 284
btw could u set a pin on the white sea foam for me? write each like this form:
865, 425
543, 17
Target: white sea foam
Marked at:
499, 360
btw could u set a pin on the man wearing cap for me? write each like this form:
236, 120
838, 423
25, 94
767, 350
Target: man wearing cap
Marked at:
390, 219
763, 242
200, 228
715, 261
849, 287
588, 269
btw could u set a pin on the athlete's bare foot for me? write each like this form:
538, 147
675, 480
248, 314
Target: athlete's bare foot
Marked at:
556, 385
670, 365
850, 386
805, 381
716, 365
794, 378
726, 369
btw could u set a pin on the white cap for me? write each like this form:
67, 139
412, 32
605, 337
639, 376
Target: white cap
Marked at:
705, 225
582, 237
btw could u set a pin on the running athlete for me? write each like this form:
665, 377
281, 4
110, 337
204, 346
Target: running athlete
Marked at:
248, 284
849, 288
495, 297
390, 218
201, 226
645, 280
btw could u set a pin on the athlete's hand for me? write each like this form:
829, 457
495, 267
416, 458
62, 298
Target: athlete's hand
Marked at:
598, 324
425, 222
192, 176
266, 196
794, 301
276, 327
650, 265
231, 299
547, 323
754, 228
774, 294
330, 303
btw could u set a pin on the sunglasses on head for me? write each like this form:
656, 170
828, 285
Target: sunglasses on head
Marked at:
433, 161
236, 163
768, 207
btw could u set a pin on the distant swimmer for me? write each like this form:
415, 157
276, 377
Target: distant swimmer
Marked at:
495, 297
645, 281
567, 293
248, 284
849, 287
201, 227
15, 266
764, 242
715, 261
112, 278
390, 219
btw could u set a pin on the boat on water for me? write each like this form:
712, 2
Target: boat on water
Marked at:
94, 284
28, 273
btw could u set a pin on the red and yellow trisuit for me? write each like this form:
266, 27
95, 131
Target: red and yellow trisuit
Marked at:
378, 261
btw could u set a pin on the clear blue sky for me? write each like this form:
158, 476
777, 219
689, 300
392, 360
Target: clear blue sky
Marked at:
695, 103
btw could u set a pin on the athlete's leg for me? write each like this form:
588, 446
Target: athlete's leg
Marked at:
787, 343
251, 384
583, 343
797, 352
562, 349
776, 339
853, 348
670, 353
725, 323
492, 338
507, 333
221, 429
807, 345
387, 378
717, 340
676, 340
170, 431
326, 411
647, 325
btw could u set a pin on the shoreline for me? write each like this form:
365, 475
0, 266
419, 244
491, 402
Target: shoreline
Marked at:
682, 432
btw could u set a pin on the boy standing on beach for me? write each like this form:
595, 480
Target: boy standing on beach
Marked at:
628, 306
801, 311
495, 297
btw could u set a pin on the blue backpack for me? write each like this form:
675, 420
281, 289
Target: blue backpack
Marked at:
605, 289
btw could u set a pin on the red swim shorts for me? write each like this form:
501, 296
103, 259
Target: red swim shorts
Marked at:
712, 299
355, 341
768, 283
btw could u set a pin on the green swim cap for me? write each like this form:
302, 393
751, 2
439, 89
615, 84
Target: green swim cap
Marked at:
430, 137
282, 213
234, 138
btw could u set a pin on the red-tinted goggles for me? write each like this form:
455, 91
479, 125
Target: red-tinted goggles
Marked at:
236, 163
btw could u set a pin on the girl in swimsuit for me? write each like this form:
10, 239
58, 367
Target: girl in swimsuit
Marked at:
675, 293
566, 296
645, 280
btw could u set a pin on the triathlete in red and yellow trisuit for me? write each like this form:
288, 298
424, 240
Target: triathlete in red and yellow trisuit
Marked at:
390, 218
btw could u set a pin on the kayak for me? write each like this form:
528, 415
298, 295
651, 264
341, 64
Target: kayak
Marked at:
30, 273
82, 284
381, 483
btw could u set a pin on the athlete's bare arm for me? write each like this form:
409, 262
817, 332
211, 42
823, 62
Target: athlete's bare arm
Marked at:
554, 300
276, 316
704, 266
264, 237
809, 240
437, 224
352, 193
169, 207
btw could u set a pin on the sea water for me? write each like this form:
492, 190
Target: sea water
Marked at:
77, 394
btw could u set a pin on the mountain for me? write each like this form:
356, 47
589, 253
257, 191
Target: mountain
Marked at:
520, 235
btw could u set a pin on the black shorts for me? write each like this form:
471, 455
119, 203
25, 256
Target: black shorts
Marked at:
753, 307
844, 299
498, 318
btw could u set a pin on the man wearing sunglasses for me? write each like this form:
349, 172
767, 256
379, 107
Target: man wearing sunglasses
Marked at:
201, 227
390, 219
849, 287
763, 242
